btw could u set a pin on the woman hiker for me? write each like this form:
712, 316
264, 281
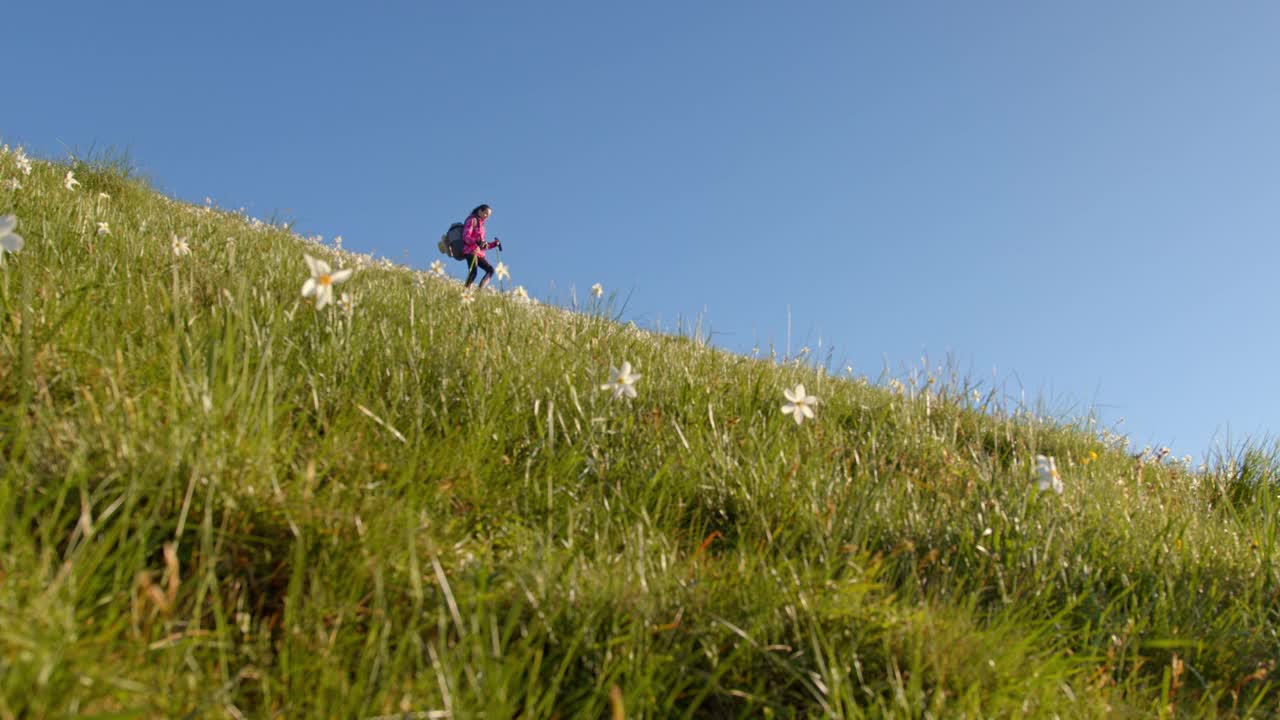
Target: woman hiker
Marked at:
474, 245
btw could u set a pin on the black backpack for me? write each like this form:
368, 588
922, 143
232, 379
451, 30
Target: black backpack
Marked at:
451, 243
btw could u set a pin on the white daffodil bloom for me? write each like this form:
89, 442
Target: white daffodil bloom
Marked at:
621, 381
597, 290
346, 303
22, 161
180, 246
799, 404
437, 268
521, 294
323, 278
12, 184
501, 271
104, 228
70, 182
468, 297
1047, 477
10, 241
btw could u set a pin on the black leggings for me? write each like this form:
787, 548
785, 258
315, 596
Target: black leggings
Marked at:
477, 263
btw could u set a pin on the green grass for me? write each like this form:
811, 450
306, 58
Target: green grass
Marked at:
218, 501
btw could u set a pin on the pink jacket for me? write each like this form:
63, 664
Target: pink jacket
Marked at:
473, 237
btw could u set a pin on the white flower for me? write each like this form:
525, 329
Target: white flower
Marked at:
337, 242
437, 268
346, 303
22, 161
597, 290
10, 241
1047, 477
799, 404
621, 381
468, 297
322, 280
501, 271
12, 184
520, 293
70, 182
104, 229
180, 246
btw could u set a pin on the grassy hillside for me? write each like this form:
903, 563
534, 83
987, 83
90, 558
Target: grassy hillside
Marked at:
218, 500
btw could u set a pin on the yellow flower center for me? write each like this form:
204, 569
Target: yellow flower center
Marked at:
325, 280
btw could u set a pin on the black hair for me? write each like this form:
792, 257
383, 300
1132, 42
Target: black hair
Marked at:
478, 209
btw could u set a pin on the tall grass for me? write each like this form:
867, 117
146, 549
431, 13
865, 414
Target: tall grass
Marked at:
218, 501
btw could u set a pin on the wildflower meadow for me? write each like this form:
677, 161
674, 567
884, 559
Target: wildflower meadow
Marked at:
251, 474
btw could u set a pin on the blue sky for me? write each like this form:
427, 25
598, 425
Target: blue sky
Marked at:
1077, 201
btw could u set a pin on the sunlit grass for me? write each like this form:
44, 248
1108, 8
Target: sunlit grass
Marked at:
219, 499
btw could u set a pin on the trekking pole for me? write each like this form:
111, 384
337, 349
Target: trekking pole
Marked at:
498, 240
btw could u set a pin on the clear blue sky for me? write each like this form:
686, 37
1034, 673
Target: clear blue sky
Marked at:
1078, 199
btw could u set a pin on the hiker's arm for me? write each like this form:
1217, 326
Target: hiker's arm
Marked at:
471, 232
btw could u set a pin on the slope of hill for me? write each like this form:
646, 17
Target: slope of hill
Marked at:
218, 499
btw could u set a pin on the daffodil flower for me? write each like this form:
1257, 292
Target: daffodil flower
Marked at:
597, 290
22, 161
70, 182
180, 246
104, 228
10, 241
323, 278
1047, 477
437, 268
799, 404
621, 381
501, 271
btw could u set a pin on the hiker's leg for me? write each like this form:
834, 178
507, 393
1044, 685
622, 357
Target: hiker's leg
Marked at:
488, 271
471, 276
